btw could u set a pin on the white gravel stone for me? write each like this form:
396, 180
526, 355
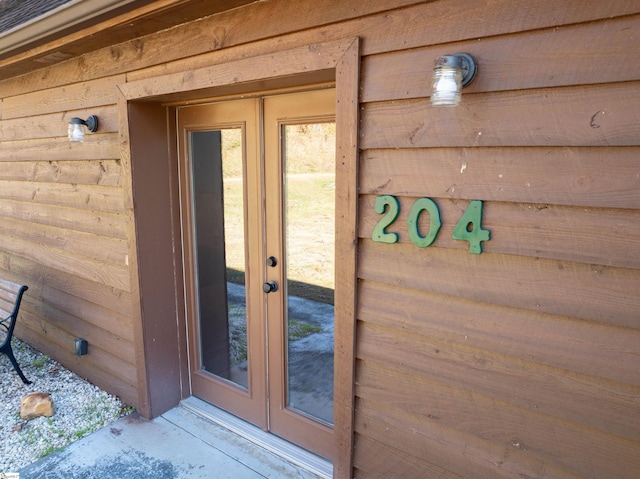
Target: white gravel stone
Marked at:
80, 408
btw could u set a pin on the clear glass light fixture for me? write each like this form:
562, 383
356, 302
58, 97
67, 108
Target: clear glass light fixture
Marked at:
76, 132
450, 74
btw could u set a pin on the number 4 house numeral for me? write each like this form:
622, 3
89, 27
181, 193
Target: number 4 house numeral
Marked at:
468, 228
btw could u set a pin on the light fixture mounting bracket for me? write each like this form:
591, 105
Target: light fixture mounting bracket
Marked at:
92, 123
469, 68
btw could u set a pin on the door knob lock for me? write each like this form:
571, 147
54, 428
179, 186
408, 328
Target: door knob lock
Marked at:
270, 287
272, 261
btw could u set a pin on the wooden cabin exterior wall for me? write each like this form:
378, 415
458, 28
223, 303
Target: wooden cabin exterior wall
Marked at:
522, 361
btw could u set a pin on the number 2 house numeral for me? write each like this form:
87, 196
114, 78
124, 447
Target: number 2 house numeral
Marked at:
468, 228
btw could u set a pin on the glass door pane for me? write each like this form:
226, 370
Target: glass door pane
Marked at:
218, 207
308, 152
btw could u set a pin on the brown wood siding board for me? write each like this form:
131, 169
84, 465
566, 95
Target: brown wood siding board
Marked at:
586, 235
581, 346
455, 451
126, 25
78, 96
34, 275
61, 345
373, 459
99, 147
106, 336
590, 53
97, 198
116, 276
87, 312
97, 248
292, 62
113, 381
393, 29
102, 172
100, 223
397, 29
539, 435
236, 27
597, 115
52, 125
590, 292
597, 404
346, 214
607, 177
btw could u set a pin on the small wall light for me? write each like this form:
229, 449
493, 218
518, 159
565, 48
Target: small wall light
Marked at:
450, 74
76, 133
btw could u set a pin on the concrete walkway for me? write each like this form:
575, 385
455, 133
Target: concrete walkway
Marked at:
179, 444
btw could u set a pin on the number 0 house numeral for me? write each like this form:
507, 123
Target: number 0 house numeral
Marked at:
468, 228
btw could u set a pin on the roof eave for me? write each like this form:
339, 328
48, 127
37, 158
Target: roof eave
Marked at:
55, 22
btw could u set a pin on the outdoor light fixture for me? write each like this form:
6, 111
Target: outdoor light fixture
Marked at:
76, 133
450, 75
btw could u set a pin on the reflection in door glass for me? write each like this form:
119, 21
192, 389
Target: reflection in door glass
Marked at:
309, 159
218, 204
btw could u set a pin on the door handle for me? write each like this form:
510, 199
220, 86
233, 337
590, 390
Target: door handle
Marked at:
270, 287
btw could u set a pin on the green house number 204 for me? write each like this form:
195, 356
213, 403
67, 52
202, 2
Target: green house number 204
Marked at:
468, 228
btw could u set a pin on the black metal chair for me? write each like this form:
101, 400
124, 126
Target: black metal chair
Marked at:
10, 298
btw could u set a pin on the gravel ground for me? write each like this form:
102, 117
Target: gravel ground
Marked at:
80, 408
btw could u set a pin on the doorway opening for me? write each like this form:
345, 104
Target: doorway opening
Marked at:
150, 179
258, 181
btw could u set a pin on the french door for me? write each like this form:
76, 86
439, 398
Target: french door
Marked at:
258, 214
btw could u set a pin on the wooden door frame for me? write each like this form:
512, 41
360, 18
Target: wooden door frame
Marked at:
151, 186
241, 113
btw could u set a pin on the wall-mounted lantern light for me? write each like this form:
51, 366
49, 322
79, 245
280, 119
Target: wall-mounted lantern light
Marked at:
450, 74
76, 133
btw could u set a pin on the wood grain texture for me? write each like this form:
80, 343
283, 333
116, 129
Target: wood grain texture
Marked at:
581, 346
600, 405
78, 96
109, 274
590, 292
571, 116
279, 64
100, 172
580, 176
217, 32
608, 237
373, 459
87, 293
97, 198
425, 23
109, 336
98, 248
537, 435
346, 213
105, 370
550, 57
96, 222
98, 147
55, 124
456, 452
131, 21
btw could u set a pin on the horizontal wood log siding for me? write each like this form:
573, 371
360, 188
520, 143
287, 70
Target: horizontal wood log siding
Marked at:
520, 362
523, 361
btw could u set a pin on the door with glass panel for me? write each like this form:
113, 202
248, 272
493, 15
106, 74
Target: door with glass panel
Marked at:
257, 205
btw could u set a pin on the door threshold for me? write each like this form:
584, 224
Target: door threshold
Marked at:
286, 450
